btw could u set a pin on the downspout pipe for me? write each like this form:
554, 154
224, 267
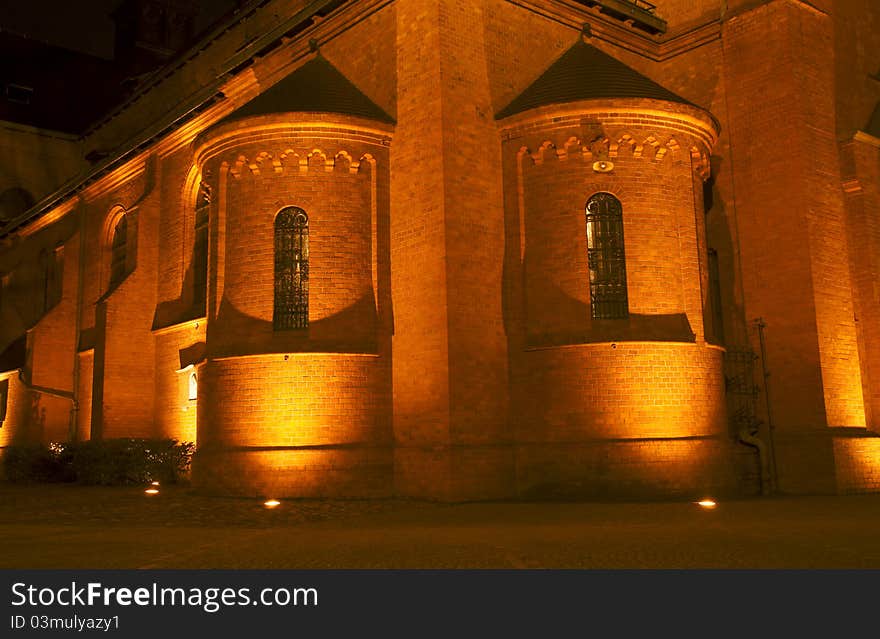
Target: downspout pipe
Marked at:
750, 438
53, 392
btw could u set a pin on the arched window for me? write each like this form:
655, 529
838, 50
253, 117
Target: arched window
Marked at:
200, 246
118, 251
291, 269
193, 386
606, 258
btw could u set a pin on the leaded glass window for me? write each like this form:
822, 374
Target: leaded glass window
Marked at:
118, 251
200, 246
606, 257
291, 269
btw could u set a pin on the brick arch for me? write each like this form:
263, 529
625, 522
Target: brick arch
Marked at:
365, 162
115, 213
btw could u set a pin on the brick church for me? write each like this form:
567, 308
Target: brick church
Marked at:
455, 249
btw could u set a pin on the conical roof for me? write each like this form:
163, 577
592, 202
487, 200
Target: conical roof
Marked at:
315, 86
583, 73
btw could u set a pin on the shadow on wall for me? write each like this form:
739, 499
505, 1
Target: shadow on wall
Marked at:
672, 327
352, 330
13, 203
186, 306
718, 225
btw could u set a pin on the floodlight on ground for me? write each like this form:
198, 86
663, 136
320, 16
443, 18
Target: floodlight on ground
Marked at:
707, 503
271, 503
152, 491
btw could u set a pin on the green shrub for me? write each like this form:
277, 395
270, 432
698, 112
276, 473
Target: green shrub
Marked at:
37, 463
109, 462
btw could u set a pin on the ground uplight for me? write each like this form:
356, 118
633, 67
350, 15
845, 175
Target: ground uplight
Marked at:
271, 503
707, 503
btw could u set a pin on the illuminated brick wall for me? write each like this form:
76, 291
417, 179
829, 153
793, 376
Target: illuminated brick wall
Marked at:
291, 419
115, 321
85, 365
655, 153
14, 429
500, 383
336, 177
622, 390
634, 406
790, 209
421, 375
861, 161
857, 464
306, 412
53, 341
175, 410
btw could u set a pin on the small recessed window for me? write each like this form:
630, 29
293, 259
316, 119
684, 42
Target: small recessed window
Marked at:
19, 94
4, 395
193, 386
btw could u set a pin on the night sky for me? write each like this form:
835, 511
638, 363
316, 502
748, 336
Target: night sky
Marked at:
81, 25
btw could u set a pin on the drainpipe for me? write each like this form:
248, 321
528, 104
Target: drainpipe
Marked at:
749, 438
52, 392
42, 389
77, 324
774, 469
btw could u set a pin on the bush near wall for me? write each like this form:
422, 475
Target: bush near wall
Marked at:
110, 462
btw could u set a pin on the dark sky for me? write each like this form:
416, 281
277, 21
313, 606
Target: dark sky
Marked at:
81, 25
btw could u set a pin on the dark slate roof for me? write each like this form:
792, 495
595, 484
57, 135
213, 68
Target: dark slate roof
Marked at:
315, 86
583, 73
873, 127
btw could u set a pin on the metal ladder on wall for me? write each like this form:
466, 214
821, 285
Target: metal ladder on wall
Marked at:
742, 402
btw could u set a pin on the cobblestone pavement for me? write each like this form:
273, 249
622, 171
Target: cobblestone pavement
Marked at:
61, 526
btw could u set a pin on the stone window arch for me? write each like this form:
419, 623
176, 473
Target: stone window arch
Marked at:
606, 257
291, 309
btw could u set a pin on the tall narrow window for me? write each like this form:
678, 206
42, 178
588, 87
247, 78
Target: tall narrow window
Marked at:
715, 296
606, 257
291, 269
193, 387
118, 251
4, 397
200, 246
